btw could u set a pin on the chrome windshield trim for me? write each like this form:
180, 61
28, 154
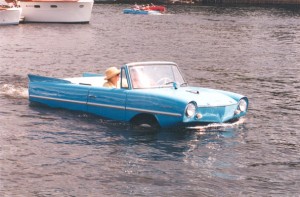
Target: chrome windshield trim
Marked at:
153, 111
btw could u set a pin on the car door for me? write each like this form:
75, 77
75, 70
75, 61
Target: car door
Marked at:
107, 102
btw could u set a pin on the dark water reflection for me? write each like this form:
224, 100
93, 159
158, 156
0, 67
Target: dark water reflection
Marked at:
249, 50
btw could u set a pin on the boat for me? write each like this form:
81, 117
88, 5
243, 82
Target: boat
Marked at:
57, 11
139, 11
145, 9
10, 14
147, 93
153, 7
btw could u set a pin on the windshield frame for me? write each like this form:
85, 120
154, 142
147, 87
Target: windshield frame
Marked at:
153, 75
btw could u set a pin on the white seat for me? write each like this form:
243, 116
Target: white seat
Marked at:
92, 81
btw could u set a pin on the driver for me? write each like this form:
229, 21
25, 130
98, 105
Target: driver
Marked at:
112, 75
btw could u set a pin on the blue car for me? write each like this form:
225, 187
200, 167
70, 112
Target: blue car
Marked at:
149, 93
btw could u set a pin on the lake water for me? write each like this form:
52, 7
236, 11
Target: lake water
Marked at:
249, 50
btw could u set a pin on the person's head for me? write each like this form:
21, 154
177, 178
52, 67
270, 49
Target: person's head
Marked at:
112, 74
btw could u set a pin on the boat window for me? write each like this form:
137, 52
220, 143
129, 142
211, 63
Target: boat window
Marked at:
37, 6
81, 6
53, 6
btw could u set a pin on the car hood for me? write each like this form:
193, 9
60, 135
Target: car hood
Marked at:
204, 97
208, 97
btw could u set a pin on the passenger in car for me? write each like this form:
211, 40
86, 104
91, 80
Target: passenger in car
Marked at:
135, 78
112, 76
140, 79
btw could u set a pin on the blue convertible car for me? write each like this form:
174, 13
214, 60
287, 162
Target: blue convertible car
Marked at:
152, 93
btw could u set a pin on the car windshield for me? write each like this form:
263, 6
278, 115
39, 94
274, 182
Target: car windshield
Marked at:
154, 76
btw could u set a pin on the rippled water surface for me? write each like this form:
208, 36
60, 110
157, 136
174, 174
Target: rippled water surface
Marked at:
249, 50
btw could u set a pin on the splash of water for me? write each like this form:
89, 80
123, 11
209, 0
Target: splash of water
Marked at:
218, 125
12, 91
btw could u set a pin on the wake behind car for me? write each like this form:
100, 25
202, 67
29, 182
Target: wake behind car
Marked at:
152, 93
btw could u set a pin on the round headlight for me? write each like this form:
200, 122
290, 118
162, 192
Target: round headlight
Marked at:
190, 110
242, 105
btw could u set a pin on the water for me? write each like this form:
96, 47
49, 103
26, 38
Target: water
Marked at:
249, 50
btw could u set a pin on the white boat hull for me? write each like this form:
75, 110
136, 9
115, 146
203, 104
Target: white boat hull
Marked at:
10, 16
57, 11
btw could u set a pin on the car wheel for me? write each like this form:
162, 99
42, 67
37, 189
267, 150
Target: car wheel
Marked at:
145, 121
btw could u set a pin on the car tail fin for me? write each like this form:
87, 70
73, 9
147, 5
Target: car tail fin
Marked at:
37, 78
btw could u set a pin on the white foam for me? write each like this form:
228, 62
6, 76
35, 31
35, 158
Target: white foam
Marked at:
218, 125
13, 91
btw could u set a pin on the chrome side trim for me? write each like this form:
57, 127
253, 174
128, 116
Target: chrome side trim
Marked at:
107, 106
154, 111
78, 102
58, 99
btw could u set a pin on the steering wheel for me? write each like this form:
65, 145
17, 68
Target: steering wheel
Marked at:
164, 81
